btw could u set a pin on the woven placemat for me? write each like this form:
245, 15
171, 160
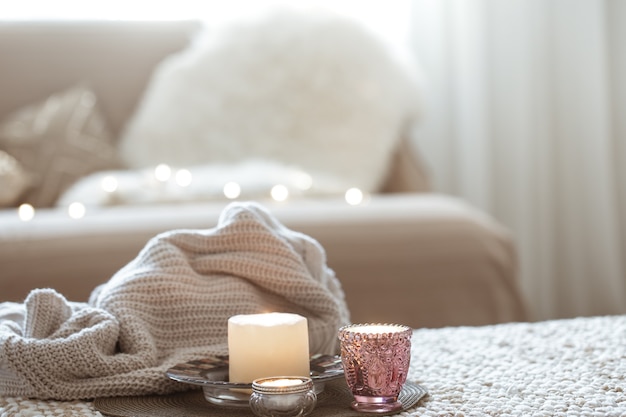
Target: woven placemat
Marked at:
334, 401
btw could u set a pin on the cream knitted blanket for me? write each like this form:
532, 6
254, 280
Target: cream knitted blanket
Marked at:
169, 305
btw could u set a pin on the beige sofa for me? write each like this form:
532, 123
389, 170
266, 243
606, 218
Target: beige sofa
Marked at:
407, 255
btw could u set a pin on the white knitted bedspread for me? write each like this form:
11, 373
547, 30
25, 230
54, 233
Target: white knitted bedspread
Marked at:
573, 367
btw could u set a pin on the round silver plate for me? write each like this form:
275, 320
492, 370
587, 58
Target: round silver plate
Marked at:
211, 373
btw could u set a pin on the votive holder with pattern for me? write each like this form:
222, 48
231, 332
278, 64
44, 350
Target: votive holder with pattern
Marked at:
376, 360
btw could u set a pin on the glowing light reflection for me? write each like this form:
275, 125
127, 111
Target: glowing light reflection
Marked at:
162, 172
354, 196
76, 210
232, 190
109, 184
26, 212
279, 192
183, 177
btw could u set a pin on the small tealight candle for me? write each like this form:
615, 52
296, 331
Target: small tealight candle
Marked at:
284, 396
270, 344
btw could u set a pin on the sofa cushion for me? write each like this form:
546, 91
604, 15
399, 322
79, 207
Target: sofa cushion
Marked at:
58, 140
417, 259
313, 90
14, 180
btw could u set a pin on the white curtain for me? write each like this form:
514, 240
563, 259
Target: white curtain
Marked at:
527, 120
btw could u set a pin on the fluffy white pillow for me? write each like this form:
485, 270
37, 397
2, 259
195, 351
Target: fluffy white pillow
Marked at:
305, 88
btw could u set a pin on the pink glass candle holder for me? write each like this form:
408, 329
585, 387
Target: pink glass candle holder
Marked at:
376, 361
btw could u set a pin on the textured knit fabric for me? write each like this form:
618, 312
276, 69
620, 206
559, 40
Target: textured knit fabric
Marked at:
561, 368
170, 304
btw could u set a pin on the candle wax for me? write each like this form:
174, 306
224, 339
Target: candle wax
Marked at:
264, 345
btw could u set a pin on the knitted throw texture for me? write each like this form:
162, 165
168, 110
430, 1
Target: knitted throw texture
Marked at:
171, 304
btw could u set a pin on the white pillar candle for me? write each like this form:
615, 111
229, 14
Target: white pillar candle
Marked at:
270, 344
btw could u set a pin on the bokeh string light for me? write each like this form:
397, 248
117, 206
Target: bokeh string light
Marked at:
232, 190
165, 177
26, 212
